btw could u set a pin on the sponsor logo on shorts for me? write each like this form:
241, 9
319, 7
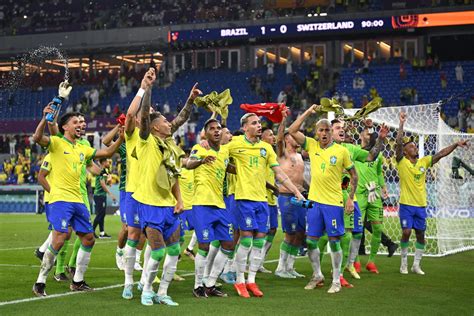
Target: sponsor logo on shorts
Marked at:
136, 219
205, 234
404, 223
293, 226
63, 224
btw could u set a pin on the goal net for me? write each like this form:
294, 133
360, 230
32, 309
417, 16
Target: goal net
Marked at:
449, 183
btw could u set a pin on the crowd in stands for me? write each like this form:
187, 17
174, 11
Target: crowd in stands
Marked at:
23, 16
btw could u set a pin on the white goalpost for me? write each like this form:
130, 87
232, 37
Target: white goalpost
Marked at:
450, 187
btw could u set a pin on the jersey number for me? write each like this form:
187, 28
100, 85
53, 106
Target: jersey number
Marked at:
253, 162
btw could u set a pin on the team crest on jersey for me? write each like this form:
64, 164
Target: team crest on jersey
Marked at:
333, 160
63, 224
194, 151
263, 152
205, 234
422, 169
248, 222
81, 157
226, 162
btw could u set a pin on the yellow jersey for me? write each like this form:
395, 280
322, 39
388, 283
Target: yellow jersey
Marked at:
132, 174
271, 199
186, 185
46, 165
327, 167
209, 178
231, 180
68, 160
412, 181
148, 192
251, 161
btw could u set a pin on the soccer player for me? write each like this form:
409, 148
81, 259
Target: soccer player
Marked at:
45, 176
269, 138
412, 173
252, 157
353, 222
159, 200
100, 198
293, 217
328, 163
210, 218
66, 205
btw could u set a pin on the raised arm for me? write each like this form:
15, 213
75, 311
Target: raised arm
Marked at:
378, 147
145, 115
281, 136
147, 81
281, 176
109, 137
294, 128
109, 151
447, 150
185, 112
39, 136
400, 134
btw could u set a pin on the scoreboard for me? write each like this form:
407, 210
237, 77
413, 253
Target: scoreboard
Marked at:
320, 27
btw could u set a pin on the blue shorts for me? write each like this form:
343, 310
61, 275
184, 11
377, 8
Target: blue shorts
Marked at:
293, 217
252, 215
131, 214
412, 217
325, 218
212, 223
63, 214
358, 220
186, 220
122, 205
273, 210
232, 210
159, 218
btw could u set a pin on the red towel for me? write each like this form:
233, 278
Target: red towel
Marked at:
121, 119
270, 110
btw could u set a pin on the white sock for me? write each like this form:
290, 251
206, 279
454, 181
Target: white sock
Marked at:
336, 260
219, 263
192, 242
418, 256
146, 257
46, 265
82, 261
256, 258
290, 263
119, 251
47, 242
404, 256
313, 255
241, 262
138, 255
210, 260
199, 265
282, 260
353, 251
169, 269
150, 274
129, 262
228, 265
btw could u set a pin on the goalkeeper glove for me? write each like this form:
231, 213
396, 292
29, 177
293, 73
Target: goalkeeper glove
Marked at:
373, 194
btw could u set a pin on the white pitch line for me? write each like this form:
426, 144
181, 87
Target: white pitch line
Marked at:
88, 268
31, 299
70, 245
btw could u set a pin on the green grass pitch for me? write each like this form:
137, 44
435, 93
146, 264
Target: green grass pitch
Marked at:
445, 289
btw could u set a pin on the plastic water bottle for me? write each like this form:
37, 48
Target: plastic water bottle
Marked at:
305, 204
56, 106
